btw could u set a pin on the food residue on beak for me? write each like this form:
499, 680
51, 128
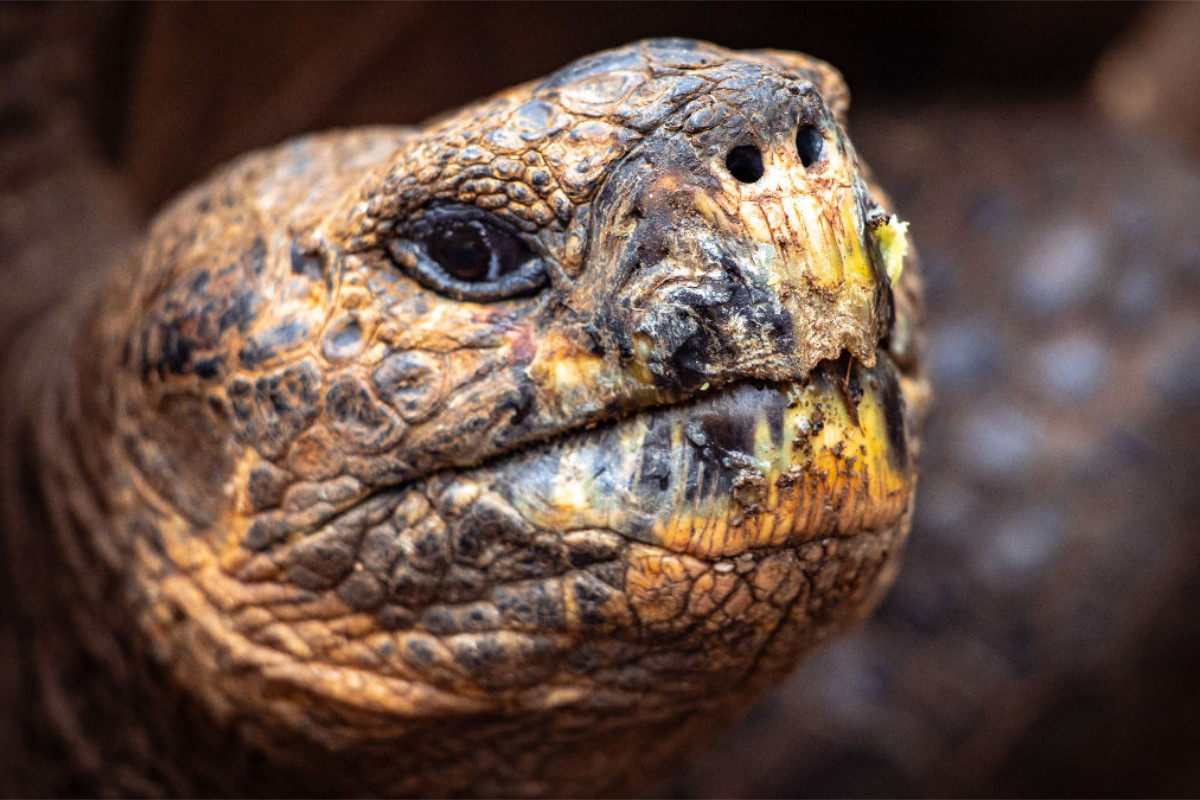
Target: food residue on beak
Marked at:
893, 246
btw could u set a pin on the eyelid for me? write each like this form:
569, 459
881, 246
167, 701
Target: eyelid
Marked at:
410, 254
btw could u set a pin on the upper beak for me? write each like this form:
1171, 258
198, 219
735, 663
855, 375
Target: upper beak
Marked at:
699, 280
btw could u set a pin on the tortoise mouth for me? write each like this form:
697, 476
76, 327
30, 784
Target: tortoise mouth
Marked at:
748, 465
751, 464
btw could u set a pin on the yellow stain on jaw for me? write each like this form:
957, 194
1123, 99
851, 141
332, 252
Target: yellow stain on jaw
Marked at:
827, 472
838, 479
580, 381
854, 255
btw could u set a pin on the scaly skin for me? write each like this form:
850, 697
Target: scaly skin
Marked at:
355, 532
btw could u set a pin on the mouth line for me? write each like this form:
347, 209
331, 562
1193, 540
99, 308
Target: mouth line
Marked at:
840, 373
752, 463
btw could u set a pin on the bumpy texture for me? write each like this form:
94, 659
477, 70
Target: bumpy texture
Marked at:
1042, 638
328, 509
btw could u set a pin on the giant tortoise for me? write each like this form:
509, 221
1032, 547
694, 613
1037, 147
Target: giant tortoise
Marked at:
515, 453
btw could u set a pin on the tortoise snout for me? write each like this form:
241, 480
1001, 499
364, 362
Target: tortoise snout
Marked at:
727, 260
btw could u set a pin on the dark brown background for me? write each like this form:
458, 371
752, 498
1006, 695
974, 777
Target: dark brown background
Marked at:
188, 86
1043, 638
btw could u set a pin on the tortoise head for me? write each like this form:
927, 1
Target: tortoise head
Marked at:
559, 426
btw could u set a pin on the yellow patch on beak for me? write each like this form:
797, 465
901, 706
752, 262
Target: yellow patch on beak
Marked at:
893, 246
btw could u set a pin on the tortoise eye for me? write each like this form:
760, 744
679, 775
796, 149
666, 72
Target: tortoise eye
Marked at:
468, 254
474, 252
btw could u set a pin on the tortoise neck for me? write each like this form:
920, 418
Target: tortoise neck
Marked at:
89, 706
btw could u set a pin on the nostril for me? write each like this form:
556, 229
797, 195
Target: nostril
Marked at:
810, 144
745, 163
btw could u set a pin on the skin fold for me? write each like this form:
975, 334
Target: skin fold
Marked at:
354, 525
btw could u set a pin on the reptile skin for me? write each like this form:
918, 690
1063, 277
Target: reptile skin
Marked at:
308, 511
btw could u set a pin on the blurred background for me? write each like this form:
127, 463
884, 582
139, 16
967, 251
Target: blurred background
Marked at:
1044, 635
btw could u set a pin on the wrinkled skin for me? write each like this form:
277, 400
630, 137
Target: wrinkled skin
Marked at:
387, 536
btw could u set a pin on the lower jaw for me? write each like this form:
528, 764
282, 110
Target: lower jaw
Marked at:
748, 466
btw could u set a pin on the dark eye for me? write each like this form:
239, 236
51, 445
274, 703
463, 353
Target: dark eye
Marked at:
469, 255
472, 251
